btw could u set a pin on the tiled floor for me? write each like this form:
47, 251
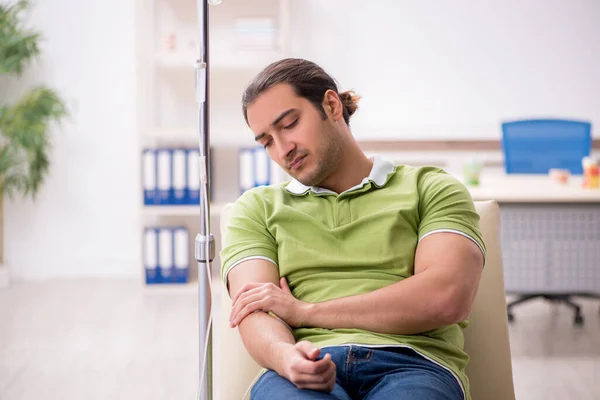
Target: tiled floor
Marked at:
552, 358
117, 340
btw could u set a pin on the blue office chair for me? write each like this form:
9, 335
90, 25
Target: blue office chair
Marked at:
535, 146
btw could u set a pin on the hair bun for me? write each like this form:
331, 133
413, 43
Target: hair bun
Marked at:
349, 101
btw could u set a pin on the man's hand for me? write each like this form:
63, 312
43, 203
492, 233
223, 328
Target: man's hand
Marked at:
300, 368
268, 297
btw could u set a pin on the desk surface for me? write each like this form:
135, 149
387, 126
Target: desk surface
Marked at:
532, 189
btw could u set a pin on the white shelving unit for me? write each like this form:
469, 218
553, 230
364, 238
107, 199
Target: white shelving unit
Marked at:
181, 211
244, 37
173, 134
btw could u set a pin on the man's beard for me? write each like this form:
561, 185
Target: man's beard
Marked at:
326, 161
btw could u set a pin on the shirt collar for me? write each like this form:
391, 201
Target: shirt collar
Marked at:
382, 168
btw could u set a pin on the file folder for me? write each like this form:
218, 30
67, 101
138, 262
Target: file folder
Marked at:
262, 167
181, 254
276, 174
180, 185
165, 254
193, 176
246, 169
149, 176
151, 255
164, 175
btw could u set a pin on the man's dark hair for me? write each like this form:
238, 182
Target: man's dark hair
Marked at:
306, 78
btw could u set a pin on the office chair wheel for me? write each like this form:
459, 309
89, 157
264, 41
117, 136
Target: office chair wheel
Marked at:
578, 320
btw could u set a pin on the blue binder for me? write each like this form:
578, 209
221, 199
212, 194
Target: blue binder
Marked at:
181, 254
150, 247
180, 184
149, 176
276, 175
193, 176
165, 254
254, 166
245, 169
262, 167
164, 176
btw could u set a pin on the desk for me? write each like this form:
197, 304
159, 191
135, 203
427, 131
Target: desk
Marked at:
534, 189
550, 233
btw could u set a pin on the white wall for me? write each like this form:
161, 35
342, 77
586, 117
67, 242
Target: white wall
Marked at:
425, 69
435, 69
85, 221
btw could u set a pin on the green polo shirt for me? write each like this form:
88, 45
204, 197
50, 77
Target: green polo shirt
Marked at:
330, 246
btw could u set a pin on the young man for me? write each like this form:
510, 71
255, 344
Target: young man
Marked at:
354, 280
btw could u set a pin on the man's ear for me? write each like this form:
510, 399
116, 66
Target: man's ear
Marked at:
333, 105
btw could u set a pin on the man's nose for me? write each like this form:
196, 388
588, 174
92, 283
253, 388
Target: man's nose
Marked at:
285, 149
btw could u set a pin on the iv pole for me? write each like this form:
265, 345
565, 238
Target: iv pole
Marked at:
204, 243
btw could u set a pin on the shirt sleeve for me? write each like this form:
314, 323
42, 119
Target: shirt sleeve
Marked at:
246, 235
445, 205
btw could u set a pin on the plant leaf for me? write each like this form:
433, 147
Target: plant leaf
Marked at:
25, 126
18, 45
12, 172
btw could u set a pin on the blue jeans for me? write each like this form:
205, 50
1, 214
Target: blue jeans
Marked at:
370, 374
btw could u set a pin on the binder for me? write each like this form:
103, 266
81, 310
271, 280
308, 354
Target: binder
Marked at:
246, 169
180, 186
262, 167
171, 176
181, 254
165, 254
149, 176
164, 176
276, 173
193, 176
150, 247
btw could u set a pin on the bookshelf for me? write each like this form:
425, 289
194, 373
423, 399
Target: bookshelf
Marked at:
181, 210
244, 36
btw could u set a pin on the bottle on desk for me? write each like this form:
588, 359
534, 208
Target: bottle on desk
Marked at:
591, 172
472, 172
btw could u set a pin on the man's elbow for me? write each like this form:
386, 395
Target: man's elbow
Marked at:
455, 308
456, 301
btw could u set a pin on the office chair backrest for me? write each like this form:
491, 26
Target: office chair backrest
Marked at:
536, 146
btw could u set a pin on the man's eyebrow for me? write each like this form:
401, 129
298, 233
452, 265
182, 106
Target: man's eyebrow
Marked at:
275, 122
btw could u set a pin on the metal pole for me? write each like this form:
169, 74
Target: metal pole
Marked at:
204, 240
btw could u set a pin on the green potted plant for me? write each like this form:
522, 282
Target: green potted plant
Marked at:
25, 122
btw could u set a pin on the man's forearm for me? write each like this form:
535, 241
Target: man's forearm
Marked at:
264, 338
413, 305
